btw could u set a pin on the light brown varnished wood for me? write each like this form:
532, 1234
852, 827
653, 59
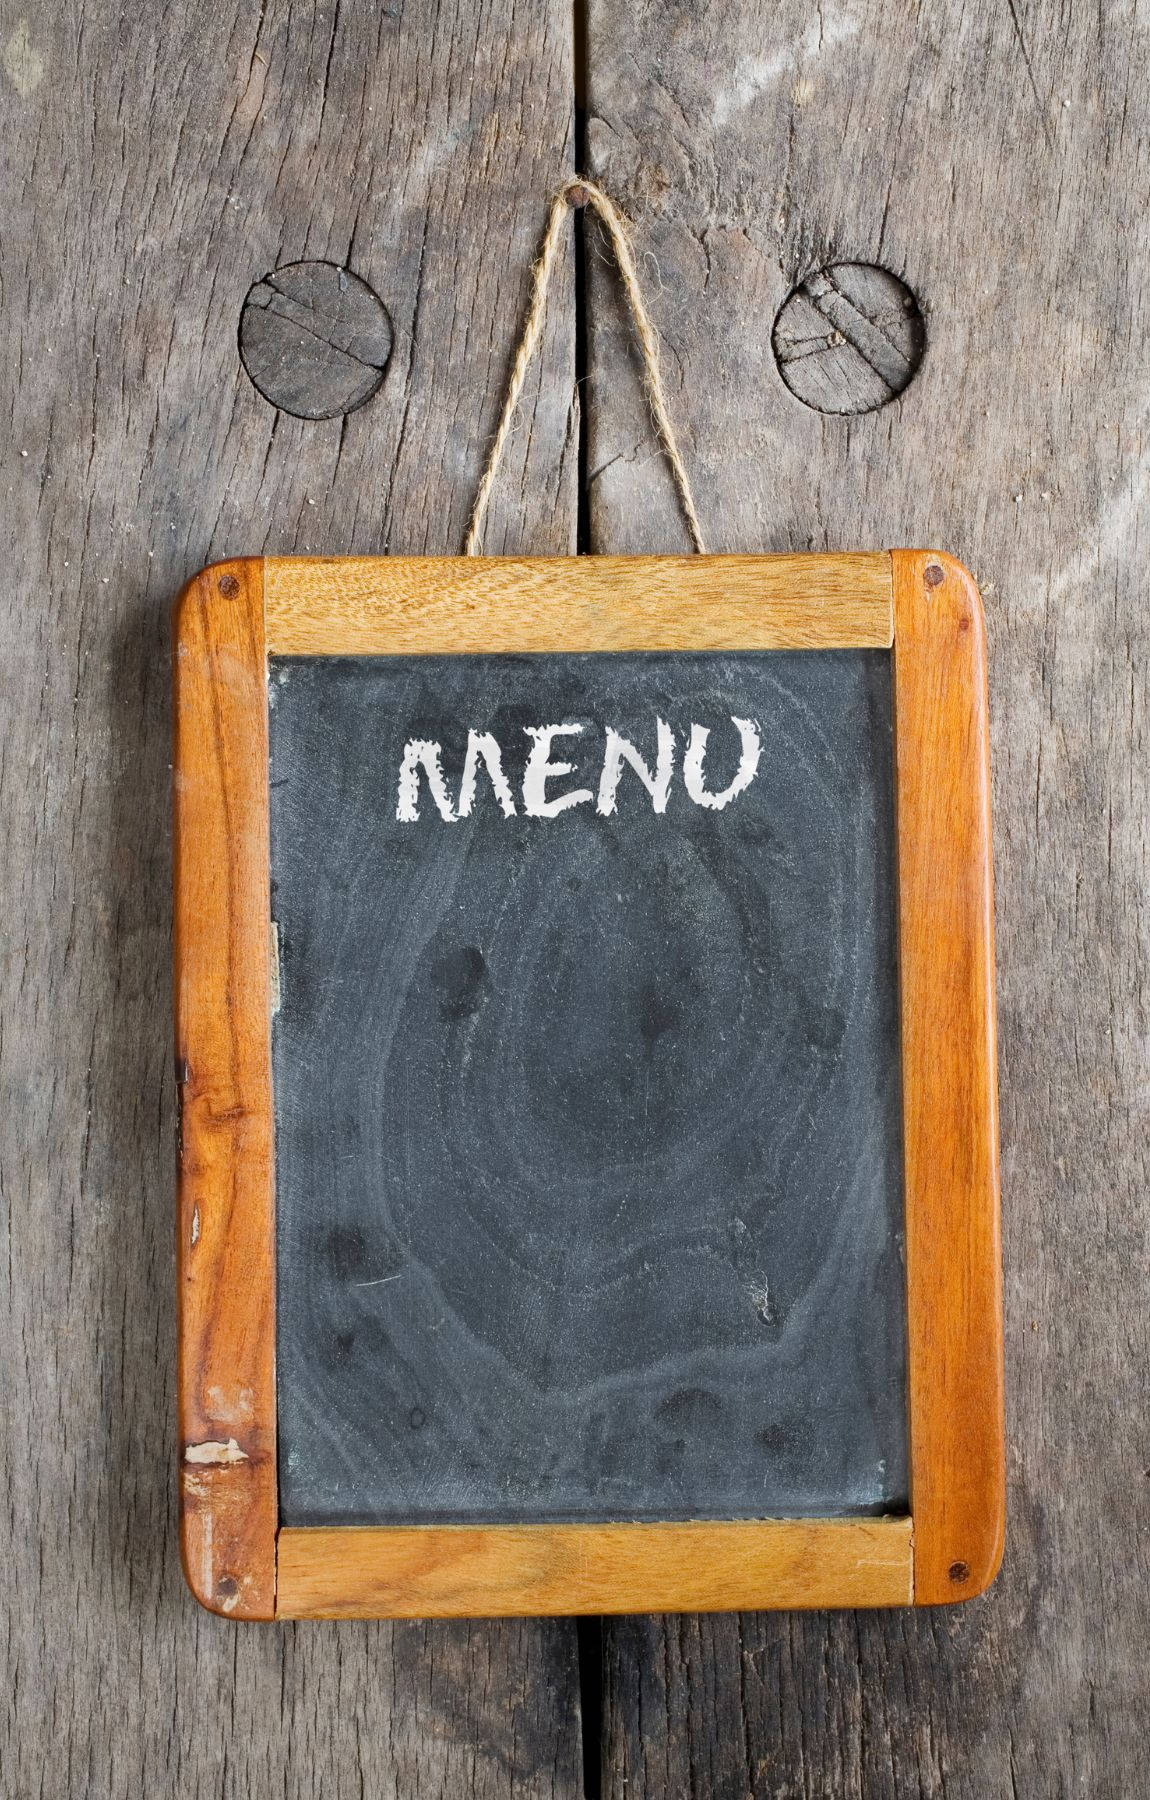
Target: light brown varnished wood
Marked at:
946, 957
471, 1572
226, 1245
423, 605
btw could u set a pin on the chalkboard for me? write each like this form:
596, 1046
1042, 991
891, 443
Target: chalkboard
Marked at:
588, 1192
587, 1111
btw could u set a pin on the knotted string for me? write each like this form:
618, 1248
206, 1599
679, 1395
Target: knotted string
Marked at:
578, 192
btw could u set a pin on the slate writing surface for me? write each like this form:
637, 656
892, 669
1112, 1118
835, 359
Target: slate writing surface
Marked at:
587, 1127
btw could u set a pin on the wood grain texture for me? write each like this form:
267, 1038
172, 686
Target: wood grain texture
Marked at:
472, 1572
949, 1078
421, 606
997, 159
154, 166
225, 1242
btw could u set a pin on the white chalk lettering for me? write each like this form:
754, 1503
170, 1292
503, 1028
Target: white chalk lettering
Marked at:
422, 753
482, 746
423, 760
539, 771
745, 774
620, 750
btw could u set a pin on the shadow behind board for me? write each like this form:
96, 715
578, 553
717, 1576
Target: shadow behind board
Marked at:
588, 1141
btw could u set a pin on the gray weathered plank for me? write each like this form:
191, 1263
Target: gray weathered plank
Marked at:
153, 168
996, 156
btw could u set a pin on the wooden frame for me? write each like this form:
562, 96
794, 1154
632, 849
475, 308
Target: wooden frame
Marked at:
228, 620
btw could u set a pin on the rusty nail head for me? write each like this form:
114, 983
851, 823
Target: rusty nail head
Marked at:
229, 587
577, 196
959, 1571
932, 575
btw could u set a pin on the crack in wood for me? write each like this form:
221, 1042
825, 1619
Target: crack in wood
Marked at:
863, 334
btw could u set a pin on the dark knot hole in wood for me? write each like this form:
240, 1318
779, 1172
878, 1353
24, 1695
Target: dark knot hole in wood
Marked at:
849, 338
314, 339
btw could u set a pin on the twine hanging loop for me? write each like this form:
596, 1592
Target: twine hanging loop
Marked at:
575, 193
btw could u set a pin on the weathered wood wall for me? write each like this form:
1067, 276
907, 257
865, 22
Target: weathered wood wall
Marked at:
154, 167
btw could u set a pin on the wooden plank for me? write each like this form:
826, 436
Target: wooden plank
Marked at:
949, 1079
150, 175
992, 157
225, 1242
420, 606
360, 1572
